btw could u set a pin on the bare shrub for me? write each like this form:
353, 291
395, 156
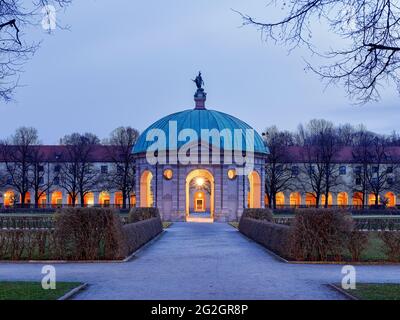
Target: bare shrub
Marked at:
357, 242
273, 236
320, 234
140, 214
88, 233
259, 214
138, 233
391, 240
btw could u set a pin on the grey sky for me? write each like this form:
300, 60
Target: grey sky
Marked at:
130, 63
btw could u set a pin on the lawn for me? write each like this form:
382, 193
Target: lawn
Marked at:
374, 250
166, 224
33, 290
374, 291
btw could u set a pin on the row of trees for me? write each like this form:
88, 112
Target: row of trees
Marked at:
25, 164
324, 148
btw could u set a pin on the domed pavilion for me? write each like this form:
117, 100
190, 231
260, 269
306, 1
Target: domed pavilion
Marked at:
200, 165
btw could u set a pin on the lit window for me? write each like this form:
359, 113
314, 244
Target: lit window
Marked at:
168, 174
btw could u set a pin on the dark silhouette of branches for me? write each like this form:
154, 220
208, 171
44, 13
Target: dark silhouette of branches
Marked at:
15, 16
368, 56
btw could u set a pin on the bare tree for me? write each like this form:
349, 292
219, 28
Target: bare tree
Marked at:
15, 16
367, 56
278, 171
42, 181
78, 173
122, 175
17, 154
320, 159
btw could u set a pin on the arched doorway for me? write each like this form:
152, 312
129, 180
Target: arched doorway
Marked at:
391, 199
104, 199
56, 199
311, 200
200, 191
254, 196
199, 201
280, 199
342, 199
357, 199
295, 199
9, 198
372, 200
146, 194
118, 199
330, 200
42, 201
89, 199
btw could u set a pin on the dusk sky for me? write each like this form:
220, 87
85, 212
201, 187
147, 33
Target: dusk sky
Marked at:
129, 63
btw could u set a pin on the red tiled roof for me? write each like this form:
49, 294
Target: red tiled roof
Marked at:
53, 153
344, 155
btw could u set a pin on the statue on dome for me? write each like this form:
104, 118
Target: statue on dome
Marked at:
199, 81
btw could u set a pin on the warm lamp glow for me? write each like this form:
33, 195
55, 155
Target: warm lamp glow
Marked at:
200, 182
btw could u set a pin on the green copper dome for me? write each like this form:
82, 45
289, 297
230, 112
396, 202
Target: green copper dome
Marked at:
199, 119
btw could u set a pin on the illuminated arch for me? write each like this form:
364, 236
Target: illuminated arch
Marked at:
266, 200
280, 199
118, 199
342, 199
357, 199
390, 196
295, 199
196, 174
330, 200
88, 199
9, 198
371, 199
42, 201
104, 199
254, 195
311, 200
56, 198
27, 198
146, 195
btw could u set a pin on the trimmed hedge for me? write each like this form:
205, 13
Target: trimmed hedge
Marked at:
273, 236
320, 234
139, 233
259, 214
89, 234
140, 214
79, 234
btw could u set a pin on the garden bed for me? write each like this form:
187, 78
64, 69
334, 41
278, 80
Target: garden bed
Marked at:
325, 236
76, 234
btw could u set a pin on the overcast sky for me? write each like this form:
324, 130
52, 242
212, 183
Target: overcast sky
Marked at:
130, 62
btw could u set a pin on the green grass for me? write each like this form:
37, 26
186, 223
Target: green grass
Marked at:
374, 291
166, 224
33, 290
234, 224
373, 252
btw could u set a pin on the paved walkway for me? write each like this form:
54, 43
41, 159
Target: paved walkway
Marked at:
203, 261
